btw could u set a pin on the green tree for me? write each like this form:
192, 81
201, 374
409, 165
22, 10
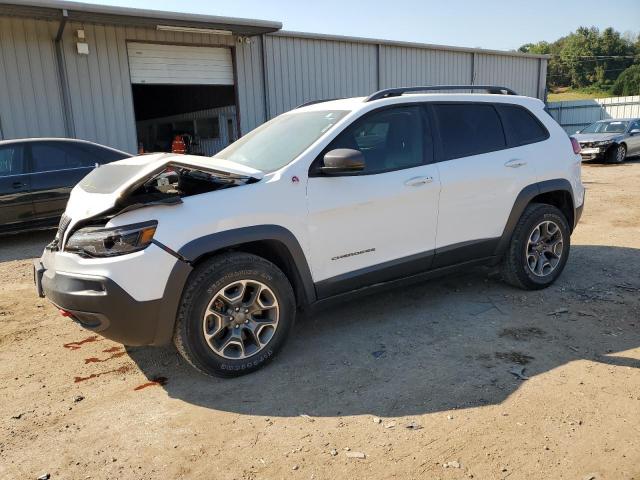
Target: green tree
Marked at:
587, 57
628, 82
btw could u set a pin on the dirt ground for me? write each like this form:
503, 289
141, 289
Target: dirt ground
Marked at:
418, 380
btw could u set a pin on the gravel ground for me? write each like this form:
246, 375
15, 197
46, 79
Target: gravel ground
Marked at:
413, 383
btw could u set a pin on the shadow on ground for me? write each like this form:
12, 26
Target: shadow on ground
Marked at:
434, 346
601, 163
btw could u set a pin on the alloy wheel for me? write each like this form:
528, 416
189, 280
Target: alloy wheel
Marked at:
544, 248
241, 319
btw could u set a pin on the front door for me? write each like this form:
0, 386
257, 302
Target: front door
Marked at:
633, 141
379, 224
15, 205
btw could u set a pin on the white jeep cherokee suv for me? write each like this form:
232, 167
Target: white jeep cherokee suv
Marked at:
325, 200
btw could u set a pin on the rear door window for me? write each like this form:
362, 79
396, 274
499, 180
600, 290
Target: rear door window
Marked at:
51, 156
468, 129
89, 154
520, 126
46, 157
11, 160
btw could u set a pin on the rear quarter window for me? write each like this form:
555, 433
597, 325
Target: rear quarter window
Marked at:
521, 127
469, 129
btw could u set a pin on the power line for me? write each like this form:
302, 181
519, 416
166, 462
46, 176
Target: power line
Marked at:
603, 71
594, 56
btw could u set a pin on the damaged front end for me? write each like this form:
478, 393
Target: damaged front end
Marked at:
119, 187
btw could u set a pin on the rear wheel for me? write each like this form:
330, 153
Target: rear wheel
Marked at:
235, 315
539, 248
617, 154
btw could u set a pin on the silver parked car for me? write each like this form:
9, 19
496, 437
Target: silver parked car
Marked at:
610, 140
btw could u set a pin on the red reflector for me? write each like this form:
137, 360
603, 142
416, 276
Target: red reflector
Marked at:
64, 313
576, 145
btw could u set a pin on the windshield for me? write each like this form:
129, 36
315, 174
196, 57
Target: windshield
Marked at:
279, 141
606, 127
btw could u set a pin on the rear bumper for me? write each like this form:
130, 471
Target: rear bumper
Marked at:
99, 304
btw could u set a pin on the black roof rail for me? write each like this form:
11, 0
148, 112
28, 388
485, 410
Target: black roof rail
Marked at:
313, 102
396, 92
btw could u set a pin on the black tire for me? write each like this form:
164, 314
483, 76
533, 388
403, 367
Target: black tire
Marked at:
514, 267
616, 154
203, 284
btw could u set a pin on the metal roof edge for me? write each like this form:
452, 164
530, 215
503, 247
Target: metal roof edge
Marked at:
400, 43
143, 13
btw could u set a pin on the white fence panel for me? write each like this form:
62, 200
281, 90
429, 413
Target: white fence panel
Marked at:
575, 115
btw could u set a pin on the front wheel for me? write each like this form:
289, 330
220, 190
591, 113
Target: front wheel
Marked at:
539, 248
617, 154
235, 315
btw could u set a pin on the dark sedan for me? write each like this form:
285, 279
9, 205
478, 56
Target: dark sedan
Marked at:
37, 175
610, 140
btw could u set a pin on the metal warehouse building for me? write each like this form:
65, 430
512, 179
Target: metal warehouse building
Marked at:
129, 78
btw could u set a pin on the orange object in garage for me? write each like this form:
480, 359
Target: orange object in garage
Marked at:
178, 145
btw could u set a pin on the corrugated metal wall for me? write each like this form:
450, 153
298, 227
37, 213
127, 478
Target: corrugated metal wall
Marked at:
251, 96
520, 74
577, 114
30, 96
100, 83
31, 102
274, 73
301, 69
406, 66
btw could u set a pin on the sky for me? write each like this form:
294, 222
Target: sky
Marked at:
497, 24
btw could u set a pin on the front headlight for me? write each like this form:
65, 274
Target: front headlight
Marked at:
110, 242
603, 143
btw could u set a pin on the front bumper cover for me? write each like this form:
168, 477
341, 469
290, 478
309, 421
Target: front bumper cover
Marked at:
99, 304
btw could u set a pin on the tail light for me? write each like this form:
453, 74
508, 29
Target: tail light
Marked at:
576, 145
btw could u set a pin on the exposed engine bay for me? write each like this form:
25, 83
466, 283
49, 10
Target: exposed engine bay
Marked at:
167, 185
177, 181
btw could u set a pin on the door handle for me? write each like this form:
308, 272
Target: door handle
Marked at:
515, 163
417, 181
18, 185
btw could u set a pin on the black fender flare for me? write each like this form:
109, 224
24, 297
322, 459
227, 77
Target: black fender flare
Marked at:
526, 195
189, 253
198, 247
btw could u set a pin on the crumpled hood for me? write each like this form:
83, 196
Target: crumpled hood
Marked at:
595, 137
107, 184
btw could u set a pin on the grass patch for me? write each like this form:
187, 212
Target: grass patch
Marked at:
565, 94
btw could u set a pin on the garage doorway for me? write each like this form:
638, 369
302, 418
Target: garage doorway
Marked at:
183, 92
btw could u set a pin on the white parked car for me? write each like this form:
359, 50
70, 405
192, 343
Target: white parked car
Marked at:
325, 200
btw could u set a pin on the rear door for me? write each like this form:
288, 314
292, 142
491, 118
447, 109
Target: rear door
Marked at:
15, 204
56, 167
480, 176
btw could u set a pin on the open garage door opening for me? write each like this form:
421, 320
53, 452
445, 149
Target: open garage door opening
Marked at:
184, 98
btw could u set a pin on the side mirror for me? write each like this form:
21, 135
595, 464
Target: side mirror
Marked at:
635, 131
342, 160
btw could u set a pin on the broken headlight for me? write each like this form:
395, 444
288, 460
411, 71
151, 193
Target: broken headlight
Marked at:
110, 242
